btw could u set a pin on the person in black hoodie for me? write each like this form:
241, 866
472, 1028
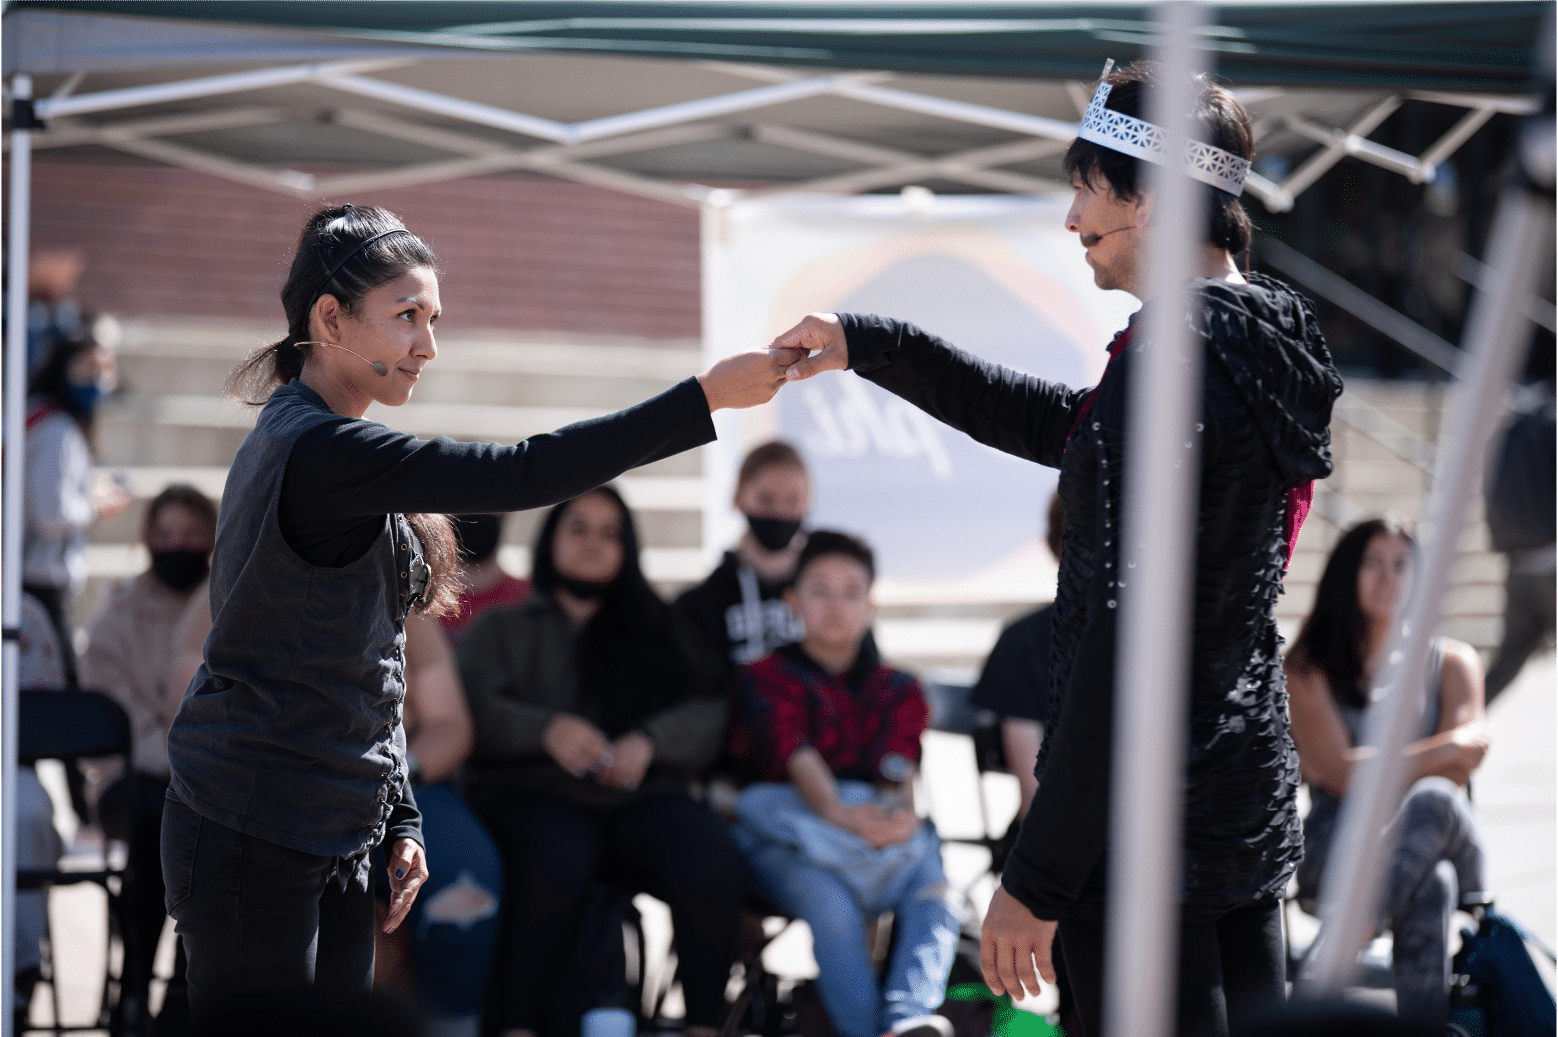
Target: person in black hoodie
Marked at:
739, 610
1268, 387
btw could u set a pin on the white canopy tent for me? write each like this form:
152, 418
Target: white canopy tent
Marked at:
321, 110
286, 110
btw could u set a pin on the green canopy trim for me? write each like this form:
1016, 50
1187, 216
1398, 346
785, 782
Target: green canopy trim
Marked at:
1468, 46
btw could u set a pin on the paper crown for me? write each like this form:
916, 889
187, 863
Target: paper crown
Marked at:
1140, 138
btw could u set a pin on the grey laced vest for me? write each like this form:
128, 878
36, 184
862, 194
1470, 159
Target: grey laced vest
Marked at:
291, 731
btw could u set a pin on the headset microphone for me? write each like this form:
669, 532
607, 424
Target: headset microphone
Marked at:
1094, 239
378, 368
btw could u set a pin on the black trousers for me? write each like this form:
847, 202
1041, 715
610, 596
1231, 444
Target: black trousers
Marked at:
255, 916
1232, 966
146, 910
555, 853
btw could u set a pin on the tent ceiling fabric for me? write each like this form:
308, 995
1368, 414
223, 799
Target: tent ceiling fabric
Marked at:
1481, 46
354, 96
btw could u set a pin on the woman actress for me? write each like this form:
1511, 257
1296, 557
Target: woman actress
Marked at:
288, 755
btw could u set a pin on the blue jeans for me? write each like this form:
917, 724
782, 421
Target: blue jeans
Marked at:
454, 922
924, 925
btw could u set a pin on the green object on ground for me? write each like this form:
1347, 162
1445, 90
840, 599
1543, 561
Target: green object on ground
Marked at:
1008, 1020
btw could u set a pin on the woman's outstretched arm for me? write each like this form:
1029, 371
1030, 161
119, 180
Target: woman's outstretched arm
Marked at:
349, 472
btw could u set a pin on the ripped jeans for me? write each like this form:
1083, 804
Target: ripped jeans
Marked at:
925, 929
454, 922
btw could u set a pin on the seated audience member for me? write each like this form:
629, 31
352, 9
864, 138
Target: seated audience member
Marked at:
829, 831
41, 668
61, 503
487, 585
452, 927
1015, 684
127, 654
1331, 669
740, 609
590, 715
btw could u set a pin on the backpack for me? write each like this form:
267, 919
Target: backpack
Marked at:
1511, 999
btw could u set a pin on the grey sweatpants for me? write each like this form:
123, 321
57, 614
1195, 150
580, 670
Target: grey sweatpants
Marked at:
1438, 858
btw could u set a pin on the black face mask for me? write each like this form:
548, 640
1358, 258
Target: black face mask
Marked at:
180, 570
479, 536
774, 534
584, 589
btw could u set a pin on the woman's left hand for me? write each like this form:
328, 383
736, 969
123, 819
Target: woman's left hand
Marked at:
630, 758
407, 872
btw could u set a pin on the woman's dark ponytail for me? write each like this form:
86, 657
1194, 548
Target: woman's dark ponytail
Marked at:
441, 552
345, 251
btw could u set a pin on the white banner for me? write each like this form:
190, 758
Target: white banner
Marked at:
997, 276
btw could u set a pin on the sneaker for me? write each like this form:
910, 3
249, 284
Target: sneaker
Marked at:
922, 1026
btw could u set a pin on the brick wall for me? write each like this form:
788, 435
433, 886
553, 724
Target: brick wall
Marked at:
519, 253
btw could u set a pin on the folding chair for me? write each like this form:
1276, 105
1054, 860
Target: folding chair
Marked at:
69, 726
952, 712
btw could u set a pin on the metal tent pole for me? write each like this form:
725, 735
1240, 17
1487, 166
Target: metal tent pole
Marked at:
14, 396
1496, 334
1154, 589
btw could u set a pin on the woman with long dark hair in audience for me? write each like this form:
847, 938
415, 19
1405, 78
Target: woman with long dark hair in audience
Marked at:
288, 756
591, 715
1331, 669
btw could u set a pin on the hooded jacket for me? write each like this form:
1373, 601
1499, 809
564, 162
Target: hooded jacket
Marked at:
1268, 387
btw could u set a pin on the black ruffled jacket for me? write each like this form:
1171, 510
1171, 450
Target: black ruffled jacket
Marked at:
1266, 409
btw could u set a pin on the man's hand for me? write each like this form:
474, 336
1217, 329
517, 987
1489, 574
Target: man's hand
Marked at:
821, 334
747, 379
407, 872
1009, 943
576, 744
630, 758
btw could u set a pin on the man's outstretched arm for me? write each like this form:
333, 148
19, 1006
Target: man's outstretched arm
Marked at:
1001, 408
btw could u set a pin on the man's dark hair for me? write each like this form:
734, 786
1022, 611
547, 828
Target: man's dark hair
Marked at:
774, 454
1220, 120
180, 495
824, 542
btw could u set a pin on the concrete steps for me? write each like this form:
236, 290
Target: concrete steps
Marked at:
1382, 438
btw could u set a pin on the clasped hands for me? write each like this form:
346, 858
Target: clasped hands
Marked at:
875, 824
583, 750
814, 345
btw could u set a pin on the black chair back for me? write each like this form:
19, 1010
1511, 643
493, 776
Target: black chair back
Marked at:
950, 709
70, 725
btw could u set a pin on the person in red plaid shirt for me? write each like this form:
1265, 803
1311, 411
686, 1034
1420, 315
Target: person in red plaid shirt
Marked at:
831, 738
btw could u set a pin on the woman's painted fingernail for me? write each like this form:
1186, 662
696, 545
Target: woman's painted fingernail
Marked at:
400, 873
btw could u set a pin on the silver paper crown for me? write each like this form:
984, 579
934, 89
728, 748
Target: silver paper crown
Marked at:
1140, 138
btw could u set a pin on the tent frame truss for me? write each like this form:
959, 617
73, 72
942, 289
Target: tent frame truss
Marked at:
573, 144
